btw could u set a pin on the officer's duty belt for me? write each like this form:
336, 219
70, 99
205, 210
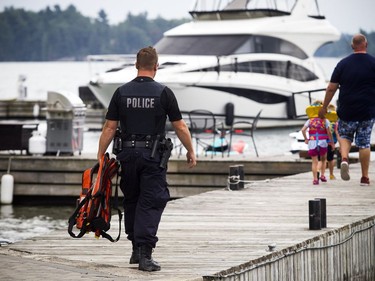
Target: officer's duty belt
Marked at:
137, 144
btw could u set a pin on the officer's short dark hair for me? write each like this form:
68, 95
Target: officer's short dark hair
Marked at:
147, 58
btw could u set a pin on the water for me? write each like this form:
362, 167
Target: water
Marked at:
22, 222
42, 77
18, 223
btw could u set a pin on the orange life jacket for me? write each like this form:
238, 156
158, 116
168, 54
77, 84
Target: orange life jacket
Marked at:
93, 212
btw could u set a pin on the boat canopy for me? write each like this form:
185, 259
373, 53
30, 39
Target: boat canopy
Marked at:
245, 9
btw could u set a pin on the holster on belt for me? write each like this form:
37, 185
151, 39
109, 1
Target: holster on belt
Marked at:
167, 145
117, 142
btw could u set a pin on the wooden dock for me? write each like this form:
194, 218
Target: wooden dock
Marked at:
60, 177
225, 235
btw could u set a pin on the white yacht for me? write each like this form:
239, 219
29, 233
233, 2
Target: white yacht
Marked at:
239, 57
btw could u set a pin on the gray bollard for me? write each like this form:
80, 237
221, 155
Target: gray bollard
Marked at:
236, 177
323, 212
314, 215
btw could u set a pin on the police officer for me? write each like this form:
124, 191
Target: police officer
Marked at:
142, 106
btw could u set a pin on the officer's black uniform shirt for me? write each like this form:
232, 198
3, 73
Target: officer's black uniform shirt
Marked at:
142, 109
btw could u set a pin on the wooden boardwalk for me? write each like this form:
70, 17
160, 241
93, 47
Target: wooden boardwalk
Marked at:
218, 232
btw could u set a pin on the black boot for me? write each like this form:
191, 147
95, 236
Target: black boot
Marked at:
134, 259
146, 263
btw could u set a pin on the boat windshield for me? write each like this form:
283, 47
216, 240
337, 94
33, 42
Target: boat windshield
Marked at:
224, 45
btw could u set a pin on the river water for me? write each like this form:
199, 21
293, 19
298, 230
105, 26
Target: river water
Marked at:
22, 222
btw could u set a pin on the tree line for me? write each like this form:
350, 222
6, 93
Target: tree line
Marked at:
56, 34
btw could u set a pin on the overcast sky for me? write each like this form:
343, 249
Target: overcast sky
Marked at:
347, 15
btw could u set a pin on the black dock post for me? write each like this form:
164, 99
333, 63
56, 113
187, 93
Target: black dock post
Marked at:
323, 212
236, 177
314, 215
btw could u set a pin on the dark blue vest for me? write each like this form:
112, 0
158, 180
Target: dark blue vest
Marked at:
141, 111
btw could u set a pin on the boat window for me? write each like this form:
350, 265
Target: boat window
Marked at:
300, 73
285, 69
267, 44
223, 45
200, 45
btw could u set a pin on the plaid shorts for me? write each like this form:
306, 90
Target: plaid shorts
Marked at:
360, 129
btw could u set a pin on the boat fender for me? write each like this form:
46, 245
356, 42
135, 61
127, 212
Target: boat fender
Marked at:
7, 187
229, 114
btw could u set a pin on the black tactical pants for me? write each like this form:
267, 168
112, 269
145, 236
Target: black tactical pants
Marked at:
146, 194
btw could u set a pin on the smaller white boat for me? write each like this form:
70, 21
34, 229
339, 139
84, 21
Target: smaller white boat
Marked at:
298, 142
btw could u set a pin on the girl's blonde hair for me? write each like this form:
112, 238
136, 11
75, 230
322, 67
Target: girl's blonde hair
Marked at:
317, 103
331, 107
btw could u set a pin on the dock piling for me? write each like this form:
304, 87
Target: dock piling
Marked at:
323, 212
236, 177
314, 214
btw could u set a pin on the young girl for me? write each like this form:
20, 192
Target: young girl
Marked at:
319, 133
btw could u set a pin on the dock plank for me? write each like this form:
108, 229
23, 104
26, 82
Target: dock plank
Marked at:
215, 231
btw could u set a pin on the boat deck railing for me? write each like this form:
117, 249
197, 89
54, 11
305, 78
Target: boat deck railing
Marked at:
293, 111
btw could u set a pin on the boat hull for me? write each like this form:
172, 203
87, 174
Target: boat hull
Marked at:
283, 110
